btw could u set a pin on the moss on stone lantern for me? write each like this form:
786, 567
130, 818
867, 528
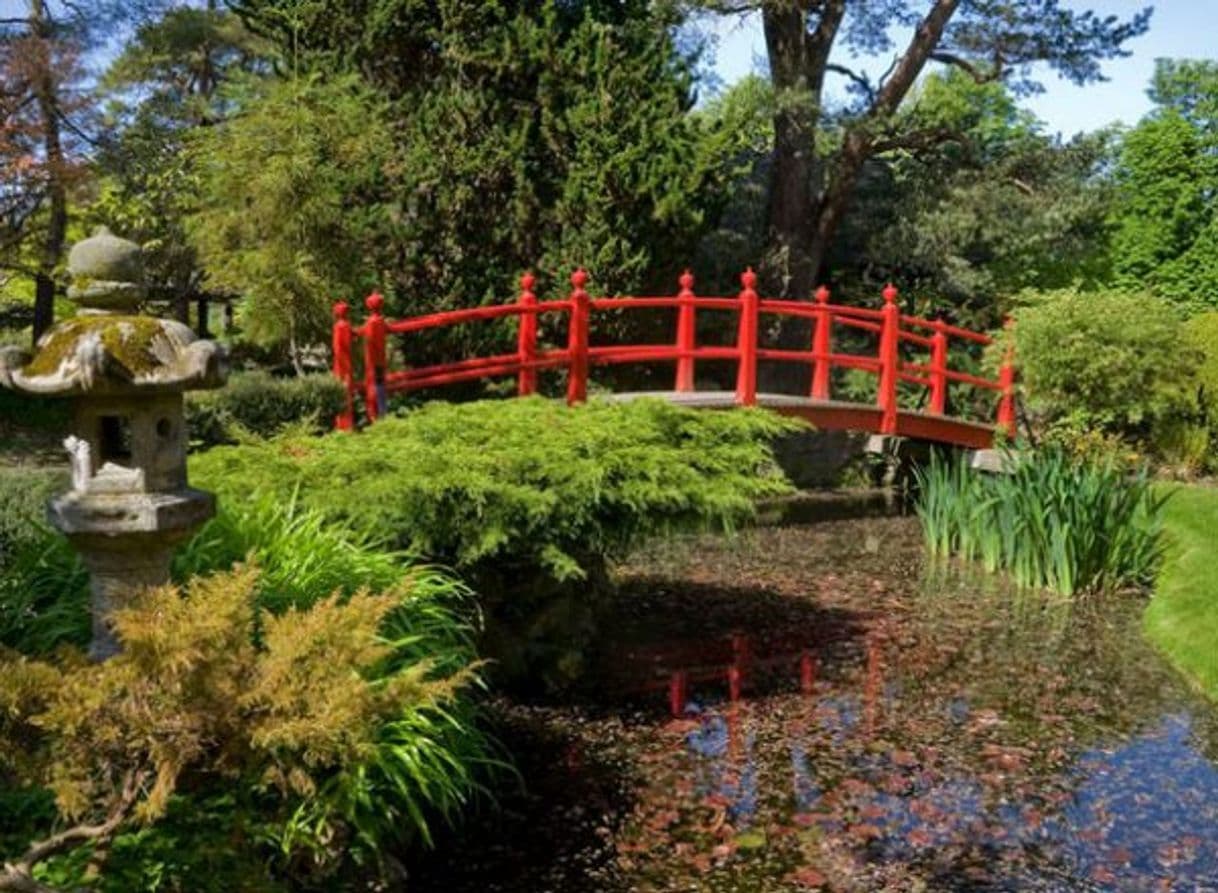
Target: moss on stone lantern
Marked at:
125, 374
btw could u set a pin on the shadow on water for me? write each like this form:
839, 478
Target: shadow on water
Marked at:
955, 736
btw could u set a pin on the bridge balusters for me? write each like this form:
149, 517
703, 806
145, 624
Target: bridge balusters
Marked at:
374, 357
746, 340
577, 339
822, 345
526, 338
340, 342
686, 333
938, 369
1006, 384
890, 358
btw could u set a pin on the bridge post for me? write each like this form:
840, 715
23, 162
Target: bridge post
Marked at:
1006, 383
938, 370
577, 339
340, 343
375, 400
822, 346
746, 340
890, 357
526, 338
686, 329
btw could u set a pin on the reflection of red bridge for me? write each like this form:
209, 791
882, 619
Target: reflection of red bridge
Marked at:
898, 336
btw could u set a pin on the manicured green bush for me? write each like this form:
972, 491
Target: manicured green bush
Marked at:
1105, 360
520, 481
1054, 523
527, 499
262, 404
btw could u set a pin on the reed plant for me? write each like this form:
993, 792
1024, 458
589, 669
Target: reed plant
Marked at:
1055, 522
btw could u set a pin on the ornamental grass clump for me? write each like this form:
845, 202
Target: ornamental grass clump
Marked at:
1054, 522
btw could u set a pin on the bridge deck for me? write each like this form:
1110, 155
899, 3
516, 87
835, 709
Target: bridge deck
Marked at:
838, 415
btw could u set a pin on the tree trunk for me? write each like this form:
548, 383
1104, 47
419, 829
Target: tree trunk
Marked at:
797, 59
860, 140
805, 212
46, 95
791, 200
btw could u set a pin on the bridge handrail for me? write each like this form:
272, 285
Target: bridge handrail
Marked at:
892, 327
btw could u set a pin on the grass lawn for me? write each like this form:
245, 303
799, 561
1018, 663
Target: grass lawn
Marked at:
1182, 618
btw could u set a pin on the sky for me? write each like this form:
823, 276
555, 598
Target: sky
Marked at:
1178, 29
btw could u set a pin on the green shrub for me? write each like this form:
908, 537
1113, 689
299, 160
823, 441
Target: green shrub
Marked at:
1201, 334
425, 761
520, 482
1054, 523
329, 736
527, 499
1107, 360
264, 405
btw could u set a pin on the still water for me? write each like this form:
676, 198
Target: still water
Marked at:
952, 736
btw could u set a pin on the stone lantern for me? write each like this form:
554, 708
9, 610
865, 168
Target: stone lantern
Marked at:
125, 374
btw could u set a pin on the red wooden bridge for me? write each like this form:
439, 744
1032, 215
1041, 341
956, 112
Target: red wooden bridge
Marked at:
909, 350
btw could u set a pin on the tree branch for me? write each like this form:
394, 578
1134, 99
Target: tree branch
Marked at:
977, 74
866, 85
916, 140
921, 45
18, 876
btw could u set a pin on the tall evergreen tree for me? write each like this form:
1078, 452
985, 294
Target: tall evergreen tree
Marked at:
537, 134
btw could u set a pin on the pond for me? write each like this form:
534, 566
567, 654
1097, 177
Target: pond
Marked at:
898, 729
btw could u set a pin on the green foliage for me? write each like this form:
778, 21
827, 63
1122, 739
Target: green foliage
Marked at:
1183, 446
321, 717
527, 499
23, 497
1001, 207
289, 188
1201, 335
264, 405
1054, 522
528, 482
1166, 235
525, 136
422, 766
1104, 360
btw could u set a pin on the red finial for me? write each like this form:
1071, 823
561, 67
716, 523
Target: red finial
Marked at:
340, 310
579, 278
374, 302
527, 281
686, 280
890, 293
822, 295
748, 279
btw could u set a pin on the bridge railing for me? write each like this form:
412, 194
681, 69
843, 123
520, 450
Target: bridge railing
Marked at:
890, 327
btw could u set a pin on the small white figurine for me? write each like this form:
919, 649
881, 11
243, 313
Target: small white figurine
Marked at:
82, 462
